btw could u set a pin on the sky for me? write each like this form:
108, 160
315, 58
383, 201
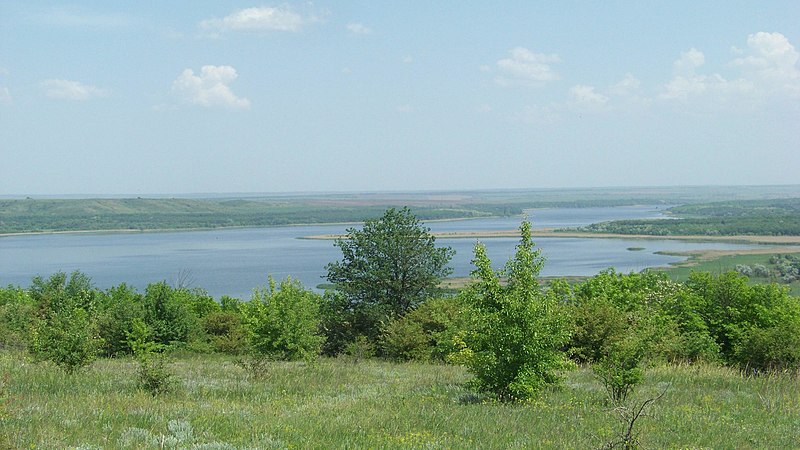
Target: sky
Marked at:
180, 97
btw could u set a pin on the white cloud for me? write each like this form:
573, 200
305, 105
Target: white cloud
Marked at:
263, 18
689, 61
408, 59
72, 90
584, 95
771, 62
526, 68
358, 28
209, 88
627, 86
768, 69
686, 87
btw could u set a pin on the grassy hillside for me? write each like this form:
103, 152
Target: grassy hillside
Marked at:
372, 404
149, 214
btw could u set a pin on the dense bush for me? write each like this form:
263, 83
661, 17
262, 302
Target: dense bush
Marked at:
426, 334
63, 330
283, 322
665, 317
122, 306
169, 314
226, 332
16, 315
344, 320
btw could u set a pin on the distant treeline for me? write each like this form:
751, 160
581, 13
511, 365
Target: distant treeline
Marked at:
779, 217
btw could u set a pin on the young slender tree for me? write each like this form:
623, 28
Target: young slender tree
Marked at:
514, 345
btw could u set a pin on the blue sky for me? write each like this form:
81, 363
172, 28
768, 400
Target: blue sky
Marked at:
101, 97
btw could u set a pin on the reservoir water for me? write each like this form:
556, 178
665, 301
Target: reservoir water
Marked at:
234, 261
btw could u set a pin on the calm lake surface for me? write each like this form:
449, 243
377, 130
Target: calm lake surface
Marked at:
234, 261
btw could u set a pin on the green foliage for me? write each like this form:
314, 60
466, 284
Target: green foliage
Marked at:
67, 337
388, 267
63, 330
123, 305
153, 375
610, 308
16, 316
597, 324
360, 349
226, 332
731, 308
168, 313
619, 369
344, 319
772, 349
427, 333
513, 347
283, 322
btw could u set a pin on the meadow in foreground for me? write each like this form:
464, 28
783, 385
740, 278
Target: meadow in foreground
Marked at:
339, 403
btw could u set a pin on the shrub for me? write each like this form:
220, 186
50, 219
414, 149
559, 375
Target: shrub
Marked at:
343, 320
619, 369
426, 333
63, 330
226, 332
283, 322
153, 375
770, 349
67, 338
360, 349
123, 305
597, 323
168, 314
16, 315
732, 309
513, 346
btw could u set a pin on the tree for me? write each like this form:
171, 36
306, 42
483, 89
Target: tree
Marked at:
388, 267
514, 345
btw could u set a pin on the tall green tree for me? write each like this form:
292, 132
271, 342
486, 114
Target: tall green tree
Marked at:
388, 267
514, 345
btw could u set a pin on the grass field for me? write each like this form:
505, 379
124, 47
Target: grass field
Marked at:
374, 404
725, 263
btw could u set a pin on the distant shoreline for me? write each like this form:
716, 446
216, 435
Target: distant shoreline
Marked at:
550, 233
